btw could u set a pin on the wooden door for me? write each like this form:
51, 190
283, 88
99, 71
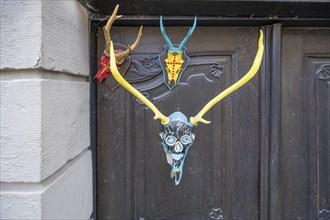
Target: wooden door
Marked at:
304, 153
250, 161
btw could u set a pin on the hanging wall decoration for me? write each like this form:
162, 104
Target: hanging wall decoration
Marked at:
174, 59
177, 136
122, 52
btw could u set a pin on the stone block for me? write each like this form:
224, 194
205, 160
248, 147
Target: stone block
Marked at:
44, 123
65, 37
65, 123
50, 35
67, 194
20, 130
20, 27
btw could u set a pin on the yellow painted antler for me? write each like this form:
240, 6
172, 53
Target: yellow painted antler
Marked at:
158, 115
248, 76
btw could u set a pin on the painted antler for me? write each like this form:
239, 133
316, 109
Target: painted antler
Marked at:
106, 29
158, 115
168, 41
121, 56
183, 42
248, 76
171, 48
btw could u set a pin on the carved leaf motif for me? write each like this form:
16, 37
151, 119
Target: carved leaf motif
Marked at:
216, 70
324, 214
150, 63
324, 72
216, 213
143, 68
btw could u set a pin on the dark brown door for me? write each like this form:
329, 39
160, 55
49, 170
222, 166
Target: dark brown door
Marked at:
304, 153
266, 152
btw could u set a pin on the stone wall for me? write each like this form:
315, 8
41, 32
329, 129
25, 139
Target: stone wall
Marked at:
45, 163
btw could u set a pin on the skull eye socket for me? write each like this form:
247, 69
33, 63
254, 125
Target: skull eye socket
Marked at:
186, 139
170, 140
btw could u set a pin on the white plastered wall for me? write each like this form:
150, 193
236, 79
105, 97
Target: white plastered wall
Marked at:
45, 163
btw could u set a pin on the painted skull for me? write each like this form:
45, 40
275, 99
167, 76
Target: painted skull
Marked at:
173, 64
177, 138
174, 59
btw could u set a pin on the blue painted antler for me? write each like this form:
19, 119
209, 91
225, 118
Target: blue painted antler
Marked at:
183, 42
168, 41
190, 32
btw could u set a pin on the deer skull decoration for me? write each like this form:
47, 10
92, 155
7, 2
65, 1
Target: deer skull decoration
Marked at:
120, 54
174, 59
177, 136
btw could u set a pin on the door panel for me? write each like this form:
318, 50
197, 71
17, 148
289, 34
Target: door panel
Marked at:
304, 173
221, 172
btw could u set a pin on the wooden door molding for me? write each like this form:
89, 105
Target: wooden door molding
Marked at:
215, 13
